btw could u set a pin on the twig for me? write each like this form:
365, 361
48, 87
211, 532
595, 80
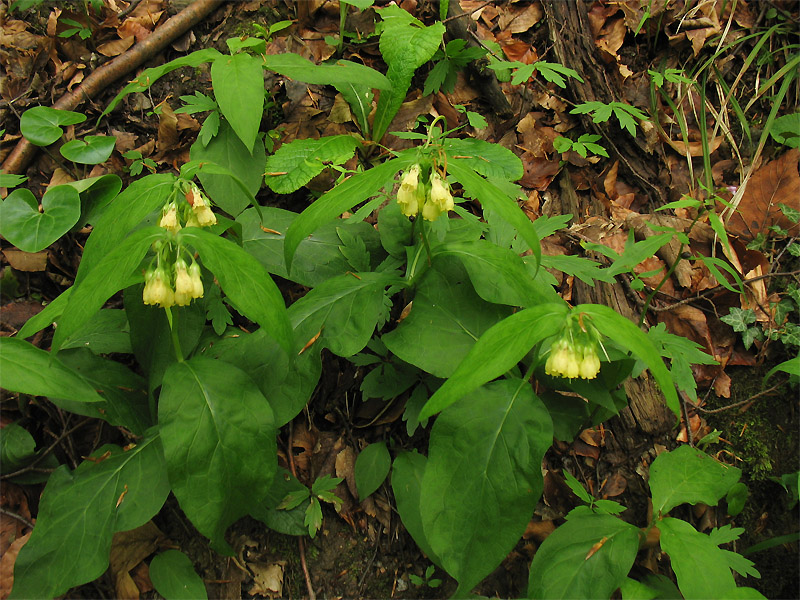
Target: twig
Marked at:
301, 546
16, 516
129, 10
709, 411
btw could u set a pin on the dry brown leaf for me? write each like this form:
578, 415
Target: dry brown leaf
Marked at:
613, 486
267, 579
167, 129
520, 19
539, 172
30, 262
537, 140
539, 530
116, 47
7, 565
128, 549
345, 468
777, 182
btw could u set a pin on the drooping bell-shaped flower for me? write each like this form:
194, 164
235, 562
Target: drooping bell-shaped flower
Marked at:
440, 200
408, 194
574, 353
197, 281
169, 218
201, 208
157, 289
184, 286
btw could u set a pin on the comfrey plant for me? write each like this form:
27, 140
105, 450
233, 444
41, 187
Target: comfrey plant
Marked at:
442, 302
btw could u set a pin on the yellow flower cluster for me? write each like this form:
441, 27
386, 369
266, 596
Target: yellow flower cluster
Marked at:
198, 213
412, 196
158, 285
571, 360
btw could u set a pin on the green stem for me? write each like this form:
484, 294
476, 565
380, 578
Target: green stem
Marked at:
174, 332
342, 20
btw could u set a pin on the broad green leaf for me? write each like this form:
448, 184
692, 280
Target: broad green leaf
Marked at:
699, 565
653, 587
405, 46
245, 282
81, 510
239, 90
318, 257
490, 160
498, 274
689, 475
107, 332
149, 76
407, 472
228, 151
174, 577
17, 447
343, 197
114, 272
483, 477
91, 150
124, 392
299, 161
96, 194
630, 337
395, 230
29, 370
346, 309
341, 72
785, 130
41, 125
490, 195
499, 349
45, 318
219, 443
372, 467
30, 230
446, 319
125, 212
589, 556
285, 521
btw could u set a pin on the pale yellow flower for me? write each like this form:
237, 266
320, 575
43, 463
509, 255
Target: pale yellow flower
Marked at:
169, 219
440, 200
157, 289
201, 208
408, 194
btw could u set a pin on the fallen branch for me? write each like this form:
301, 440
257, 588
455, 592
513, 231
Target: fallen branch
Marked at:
105, 75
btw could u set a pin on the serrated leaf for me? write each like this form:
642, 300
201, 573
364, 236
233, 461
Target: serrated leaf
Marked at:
239, 89
483, 477
116, 491
354, 250
41, 125
313, 518
589, 556
372, 467
174, 577
218, 433
197, 103
436, 77
299, 161
689, 475
30, 230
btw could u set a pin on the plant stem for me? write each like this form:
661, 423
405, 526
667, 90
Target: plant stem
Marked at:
174, 333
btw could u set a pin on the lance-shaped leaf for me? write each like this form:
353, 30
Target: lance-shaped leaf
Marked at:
339, 73
219, 443
239, 90
629, 336
80, 511
343, 197
372, 467
492, 196
114, 272
484, 477
299, 161
589, 556
359, 97
498, 350
245, 282
689, 475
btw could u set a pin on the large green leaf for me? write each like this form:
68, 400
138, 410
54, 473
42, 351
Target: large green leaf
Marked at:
299, 161
149, 76
689, 475
105, 333
45, 318
219, 443
114, 272
29, 370
408, 470
341, 72
125, 212
700, 566
490, 160
239, 90
248, 286
498, 274
174, 577
318, 257
90, 150
41, 125
629, 336
96, 194
493, 197
81, 510
23, 225
405, 46
570, 564
228, 151
346, 308
446, 319
498, 350
343, 197
484, 477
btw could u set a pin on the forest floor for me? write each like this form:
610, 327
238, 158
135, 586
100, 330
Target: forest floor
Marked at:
364, 552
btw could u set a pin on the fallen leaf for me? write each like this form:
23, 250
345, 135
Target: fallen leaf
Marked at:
116, 47
7, 562
613, 486
128, 549
30, 262
267, 579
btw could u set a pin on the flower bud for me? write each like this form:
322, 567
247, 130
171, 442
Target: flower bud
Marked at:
169, 219
408, 194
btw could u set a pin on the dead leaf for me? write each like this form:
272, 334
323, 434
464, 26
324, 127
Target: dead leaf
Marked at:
539, 530
519, 19
345, 468
30, 262
613, 486
167, 129
7, 562
116, 47
539, 172
267, 579
777, 182
128, 549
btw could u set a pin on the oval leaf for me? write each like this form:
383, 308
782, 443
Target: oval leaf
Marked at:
30, 230
372, 467
174, 577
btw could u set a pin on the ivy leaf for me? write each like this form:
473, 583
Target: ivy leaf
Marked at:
299, 161
739, 319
